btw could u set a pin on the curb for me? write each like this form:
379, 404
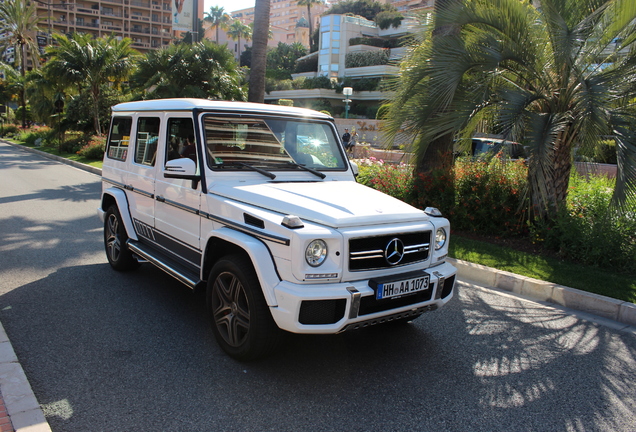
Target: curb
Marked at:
22, 406
606, 307
89, 168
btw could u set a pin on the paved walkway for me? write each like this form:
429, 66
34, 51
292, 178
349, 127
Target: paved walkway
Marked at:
19, 409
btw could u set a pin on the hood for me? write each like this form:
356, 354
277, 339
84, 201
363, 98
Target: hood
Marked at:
335, 204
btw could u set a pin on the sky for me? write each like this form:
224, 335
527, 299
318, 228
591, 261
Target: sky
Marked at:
228, 5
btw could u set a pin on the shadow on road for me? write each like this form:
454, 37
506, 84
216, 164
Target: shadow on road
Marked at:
98, 342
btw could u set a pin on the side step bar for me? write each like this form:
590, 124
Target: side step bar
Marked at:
171, 267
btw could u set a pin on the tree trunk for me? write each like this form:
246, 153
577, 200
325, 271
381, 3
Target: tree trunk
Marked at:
438, 156
439, 153
23, 91
98, 128
259, 51
549, 184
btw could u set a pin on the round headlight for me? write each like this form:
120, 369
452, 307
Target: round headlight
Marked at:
440, 238
316, 253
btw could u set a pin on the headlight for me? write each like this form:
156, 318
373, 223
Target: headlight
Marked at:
316, 253
440, 238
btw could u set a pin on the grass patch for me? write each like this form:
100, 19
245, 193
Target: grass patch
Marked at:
71, 156
591, 279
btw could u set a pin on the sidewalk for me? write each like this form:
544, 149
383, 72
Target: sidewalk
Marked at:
19, 409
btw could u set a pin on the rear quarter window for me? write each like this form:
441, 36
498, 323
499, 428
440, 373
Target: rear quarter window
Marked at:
119, 138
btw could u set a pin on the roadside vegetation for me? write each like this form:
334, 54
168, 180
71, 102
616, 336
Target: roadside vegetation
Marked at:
587, 246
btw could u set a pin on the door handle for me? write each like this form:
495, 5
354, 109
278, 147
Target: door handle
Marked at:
160, 198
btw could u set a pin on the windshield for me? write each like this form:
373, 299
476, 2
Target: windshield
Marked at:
273, 143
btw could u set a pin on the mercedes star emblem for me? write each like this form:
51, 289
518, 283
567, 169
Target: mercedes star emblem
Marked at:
394, 251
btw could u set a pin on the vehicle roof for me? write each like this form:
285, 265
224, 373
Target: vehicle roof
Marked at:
189, 104
493, 140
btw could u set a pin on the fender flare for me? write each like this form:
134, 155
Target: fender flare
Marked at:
122, 204
258, 253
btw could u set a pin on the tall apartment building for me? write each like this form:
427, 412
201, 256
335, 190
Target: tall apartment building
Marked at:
151, 24
283, 16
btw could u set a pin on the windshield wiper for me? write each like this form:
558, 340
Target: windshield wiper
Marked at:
304, 168
248, 166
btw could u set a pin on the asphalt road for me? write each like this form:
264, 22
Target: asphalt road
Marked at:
109, 351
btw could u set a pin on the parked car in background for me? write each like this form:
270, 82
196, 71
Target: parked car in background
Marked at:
483, 146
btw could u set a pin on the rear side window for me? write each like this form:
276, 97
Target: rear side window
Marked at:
146, 142
119, 138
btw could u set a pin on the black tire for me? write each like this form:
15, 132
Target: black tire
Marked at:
240, 318
115, 238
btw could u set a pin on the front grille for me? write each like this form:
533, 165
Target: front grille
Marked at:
369, 304
369, 253
322, 311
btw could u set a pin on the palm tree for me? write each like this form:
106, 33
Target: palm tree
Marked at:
205, 70
83, 61
19, 21
555, 78
309, 4
238, 30
259, 51
217, 17
46, 96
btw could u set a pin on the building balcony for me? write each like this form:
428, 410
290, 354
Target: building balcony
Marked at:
371, 71
320, 93
88, 11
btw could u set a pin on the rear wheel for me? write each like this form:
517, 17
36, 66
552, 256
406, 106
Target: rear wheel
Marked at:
115, 238
241, 320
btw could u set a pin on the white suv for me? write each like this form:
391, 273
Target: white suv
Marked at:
259, 205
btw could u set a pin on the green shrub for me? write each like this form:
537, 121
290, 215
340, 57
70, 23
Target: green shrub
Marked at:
372, 58
30, 136
603, 152
74, 143
10, 130
94, 150
394, 180
588, 229
307, 64
488, 197
375, 41
318, 82
278, 74
387, 19
286, 102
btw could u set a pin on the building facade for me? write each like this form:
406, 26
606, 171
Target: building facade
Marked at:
150, 24
283, 17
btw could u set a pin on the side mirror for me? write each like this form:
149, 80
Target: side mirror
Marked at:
182, 168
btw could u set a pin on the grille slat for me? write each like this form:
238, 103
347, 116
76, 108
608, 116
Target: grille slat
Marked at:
368, 253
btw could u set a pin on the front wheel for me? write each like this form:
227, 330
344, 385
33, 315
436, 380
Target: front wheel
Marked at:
240, 317
115, 238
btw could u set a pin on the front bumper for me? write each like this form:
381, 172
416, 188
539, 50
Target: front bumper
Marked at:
337, 307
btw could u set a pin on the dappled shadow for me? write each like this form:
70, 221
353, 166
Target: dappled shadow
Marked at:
77, 193
24, 160
28, 243
95, 341
548, 361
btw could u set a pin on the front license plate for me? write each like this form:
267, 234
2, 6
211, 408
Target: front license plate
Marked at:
401, 288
